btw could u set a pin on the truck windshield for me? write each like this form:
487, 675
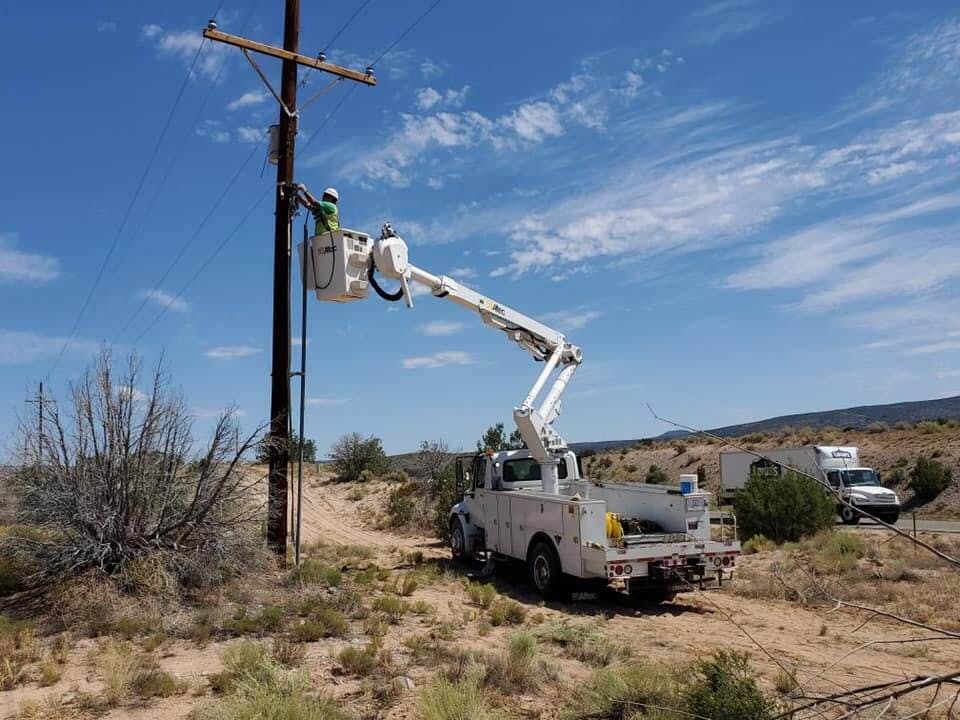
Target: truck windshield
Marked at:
854, 478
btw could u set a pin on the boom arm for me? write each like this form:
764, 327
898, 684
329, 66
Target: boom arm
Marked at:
544, 343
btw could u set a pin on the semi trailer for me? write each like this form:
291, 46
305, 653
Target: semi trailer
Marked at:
859, 486
534, 505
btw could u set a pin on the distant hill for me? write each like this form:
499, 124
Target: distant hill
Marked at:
853, 417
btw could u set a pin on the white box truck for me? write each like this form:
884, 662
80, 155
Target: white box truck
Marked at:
840, 466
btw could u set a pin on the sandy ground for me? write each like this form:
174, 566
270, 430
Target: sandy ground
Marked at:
814, 643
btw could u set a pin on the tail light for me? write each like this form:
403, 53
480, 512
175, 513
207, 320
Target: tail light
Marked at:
726, 561
618, 569
628, 569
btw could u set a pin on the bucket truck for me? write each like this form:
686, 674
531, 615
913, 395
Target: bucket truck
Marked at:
534, 505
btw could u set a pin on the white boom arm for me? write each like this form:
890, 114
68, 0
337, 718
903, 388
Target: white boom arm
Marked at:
544, 343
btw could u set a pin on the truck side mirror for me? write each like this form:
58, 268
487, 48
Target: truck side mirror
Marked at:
879, 478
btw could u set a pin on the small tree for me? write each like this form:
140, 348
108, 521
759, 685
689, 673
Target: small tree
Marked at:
432, 459
495, 438
656, 475
929, 478
118, 479
724, 687
702, 476
309, 450
783, 507
352, 454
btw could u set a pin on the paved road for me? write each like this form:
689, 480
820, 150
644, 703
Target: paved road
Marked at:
906, 523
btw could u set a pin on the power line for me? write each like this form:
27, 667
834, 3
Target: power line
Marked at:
223, 243
338, 33
133, 200
406, 32
166, 176
183, 248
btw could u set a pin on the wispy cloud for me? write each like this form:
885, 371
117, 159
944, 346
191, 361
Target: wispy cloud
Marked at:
213, 130
327, 401
19, 266
105, 26
18, 347
248, 99
428, 98
230, 352
250, 134
439, 328
438, 360
571, 319
166, 300
728, 18
182, 45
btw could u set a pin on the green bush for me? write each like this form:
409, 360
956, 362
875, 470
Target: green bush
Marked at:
783, 508
352, 454
626, 692
656, 475
461, 700
758, 543
929, 478
312, 572
724, 687
402, 505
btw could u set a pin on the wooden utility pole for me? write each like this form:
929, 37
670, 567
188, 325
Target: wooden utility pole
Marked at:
279, 445
39, 403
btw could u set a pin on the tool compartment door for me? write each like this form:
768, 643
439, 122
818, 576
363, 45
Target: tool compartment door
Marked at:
504, 526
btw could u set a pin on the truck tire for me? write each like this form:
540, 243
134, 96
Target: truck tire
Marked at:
848, 515
546, 575
458, 541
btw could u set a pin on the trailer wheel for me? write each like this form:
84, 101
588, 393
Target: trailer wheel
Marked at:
458, 541
546, 575
848, 515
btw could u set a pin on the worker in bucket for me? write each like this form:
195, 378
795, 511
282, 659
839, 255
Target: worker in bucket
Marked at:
326, 214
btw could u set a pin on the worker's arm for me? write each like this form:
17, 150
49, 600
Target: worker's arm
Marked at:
305, 197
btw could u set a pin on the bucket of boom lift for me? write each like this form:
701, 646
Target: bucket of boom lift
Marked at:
337, 265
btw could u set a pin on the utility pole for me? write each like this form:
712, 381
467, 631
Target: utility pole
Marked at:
279, 445
39, 403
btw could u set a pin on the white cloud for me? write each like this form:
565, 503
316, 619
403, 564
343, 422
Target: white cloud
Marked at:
534, 122
18, 347
933, 348
104, 26
212, 130
438, 360
571, 319
248, 99
728, 18
463, 273
427, 98
229, 352
250, 134
128, 391
438, 328
430, 69
326, 402
183, 45
166, 300
18, 266
632, 82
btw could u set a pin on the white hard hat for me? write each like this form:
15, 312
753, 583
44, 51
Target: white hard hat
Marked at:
332, 192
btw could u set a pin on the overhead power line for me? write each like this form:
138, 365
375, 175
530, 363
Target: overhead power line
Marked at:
223, 243
404, 34
129, 209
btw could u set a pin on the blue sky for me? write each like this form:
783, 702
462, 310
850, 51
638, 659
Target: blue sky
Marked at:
738, 209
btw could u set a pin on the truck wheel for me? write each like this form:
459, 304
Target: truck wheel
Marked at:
848, 515
458, 541
546, 575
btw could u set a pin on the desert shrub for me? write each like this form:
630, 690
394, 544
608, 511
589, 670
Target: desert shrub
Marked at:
353, 453
876, 428
365, 476
276, 695
586, 643
783, 508
392, 606
247, 661
359, 661
463, 699
396, 477
895, 478
724, 687
758, 543
625, 692
929, 478
630, 468
49, 673
309, 450
18, 648
286, 653
314, 572
515, 669
323, 623
401, 508
603, 462
656, 475
121, 480
679, 449
928, 427
482, 594
154, 682
406, 584
507, 612
838, 552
